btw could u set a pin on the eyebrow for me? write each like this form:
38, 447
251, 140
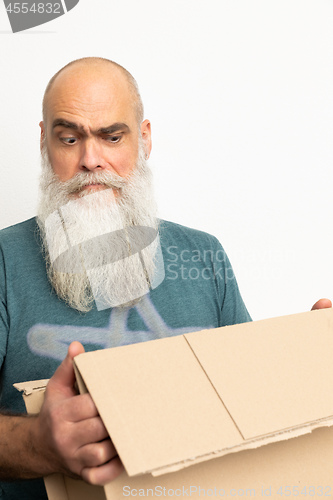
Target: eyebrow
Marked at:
59, 122
111, 129
115, 127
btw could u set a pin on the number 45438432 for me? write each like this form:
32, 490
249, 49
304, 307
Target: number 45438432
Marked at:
40, 8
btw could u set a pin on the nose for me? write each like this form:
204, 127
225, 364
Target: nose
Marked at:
91, 156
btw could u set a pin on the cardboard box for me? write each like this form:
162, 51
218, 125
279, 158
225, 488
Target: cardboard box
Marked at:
243, 410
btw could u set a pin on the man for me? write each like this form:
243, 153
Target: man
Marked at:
60, 283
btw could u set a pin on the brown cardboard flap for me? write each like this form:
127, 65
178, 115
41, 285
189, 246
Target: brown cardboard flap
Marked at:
55, 485
31, 386
173, 402
33, 394
297, 465
79, 490
160, 407
272, 374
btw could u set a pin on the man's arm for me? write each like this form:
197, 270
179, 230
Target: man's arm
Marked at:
18, 459
67, 436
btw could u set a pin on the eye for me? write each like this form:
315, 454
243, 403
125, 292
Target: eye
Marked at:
112, 138
68, 140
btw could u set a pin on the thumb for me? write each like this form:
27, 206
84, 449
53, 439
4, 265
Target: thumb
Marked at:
322, 304
63, 379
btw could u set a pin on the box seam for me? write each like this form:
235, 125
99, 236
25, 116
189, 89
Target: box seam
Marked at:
211, 383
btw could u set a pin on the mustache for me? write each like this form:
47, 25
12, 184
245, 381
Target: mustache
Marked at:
81, 180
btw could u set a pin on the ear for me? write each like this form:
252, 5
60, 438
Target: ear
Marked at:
146, 136
42, 134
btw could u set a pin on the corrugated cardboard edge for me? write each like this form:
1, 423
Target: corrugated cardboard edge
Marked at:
79, 380
34, 385
248, 445
33, 394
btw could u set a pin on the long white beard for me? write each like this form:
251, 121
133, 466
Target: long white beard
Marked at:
91, 255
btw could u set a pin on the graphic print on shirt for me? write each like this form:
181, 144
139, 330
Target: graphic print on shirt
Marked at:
53, 340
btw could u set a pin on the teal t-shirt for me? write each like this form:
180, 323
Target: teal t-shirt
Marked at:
199, 291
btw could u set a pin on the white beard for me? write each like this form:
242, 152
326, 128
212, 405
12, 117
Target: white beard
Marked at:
90, 252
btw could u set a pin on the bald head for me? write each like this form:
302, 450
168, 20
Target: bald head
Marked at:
94, 68
93, 119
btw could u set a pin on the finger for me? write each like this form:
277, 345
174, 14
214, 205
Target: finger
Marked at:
97, 454
89, 431
103, 474
75, 348
80, 407
322, 304
64, 377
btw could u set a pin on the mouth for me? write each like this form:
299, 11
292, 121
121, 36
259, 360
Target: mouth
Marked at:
87, 189
93, 187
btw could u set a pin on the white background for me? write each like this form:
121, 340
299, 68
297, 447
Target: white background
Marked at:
239, 93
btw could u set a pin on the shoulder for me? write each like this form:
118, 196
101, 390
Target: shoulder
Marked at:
172, 231
18, 233
26, 225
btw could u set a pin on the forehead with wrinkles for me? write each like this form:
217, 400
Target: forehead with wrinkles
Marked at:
87, 87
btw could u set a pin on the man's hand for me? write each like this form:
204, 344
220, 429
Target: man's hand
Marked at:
69, 433
322, 304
